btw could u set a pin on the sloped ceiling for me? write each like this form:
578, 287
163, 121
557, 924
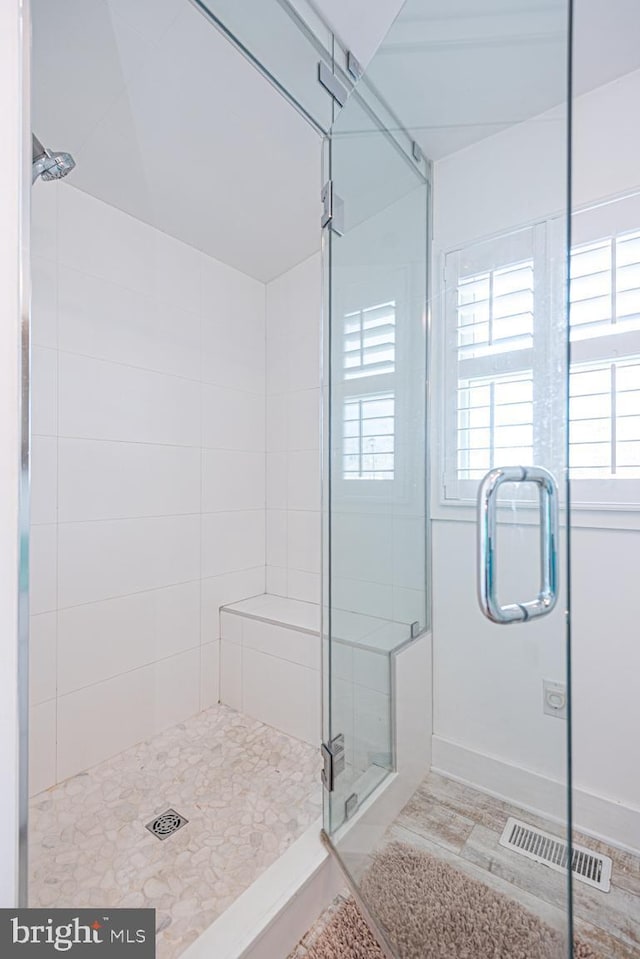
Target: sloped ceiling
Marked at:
168, 122
360, 24
457, 71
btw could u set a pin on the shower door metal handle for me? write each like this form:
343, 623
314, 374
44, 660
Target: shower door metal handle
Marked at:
487, 542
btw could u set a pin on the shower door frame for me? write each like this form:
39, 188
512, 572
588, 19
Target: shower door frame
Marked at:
24, 496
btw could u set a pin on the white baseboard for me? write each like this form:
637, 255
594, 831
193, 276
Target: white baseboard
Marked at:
275, 912
596, 816
606, 819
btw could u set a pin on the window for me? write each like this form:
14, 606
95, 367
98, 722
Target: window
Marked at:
494, 412
605, 286
492, 292
369, 428
604, 385
605, 420
504, 368
369, 366
495, 420
495, 311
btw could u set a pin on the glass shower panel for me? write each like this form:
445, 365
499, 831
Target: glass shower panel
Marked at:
485, 710
285, 40
377, 419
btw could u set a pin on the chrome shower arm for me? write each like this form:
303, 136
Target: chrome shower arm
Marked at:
37, 148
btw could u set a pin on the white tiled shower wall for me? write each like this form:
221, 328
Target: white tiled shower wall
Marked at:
293, 440
148, 504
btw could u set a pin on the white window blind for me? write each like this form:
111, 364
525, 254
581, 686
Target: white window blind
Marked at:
604, 383
369, 341
605, 286
605, 420
491, 314
495, 423
495, 311
369, 364
504, 367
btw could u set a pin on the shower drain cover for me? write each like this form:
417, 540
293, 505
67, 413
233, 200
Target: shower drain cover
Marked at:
166, 824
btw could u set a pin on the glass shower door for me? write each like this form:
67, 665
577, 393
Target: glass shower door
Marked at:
446, 615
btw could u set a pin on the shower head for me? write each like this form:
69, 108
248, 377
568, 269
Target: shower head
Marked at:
49, 164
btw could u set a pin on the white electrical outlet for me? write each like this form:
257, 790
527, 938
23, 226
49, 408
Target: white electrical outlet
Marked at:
555, 699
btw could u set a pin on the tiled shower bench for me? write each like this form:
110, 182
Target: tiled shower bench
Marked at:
270, 670
270, 663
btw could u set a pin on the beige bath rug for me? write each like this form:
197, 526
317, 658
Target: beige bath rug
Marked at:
432, 911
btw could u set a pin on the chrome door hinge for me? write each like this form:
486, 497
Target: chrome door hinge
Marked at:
350, 806
331, 84
354, 67
333, 758
332, 209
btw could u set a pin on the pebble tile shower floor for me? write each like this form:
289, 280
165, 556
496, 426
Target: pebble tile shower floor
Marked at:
246, 790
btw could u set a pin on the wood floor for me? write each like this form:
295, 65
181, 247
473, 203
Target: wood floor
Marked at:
463, 826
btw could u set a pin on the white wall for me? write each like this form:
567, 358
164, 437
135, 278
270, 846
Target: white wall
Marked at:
293, 432
488, 680
11, 119
148, 476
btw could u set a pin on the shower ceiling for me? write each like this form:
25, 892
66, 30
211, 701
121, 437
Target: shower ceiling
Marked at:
168, 122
